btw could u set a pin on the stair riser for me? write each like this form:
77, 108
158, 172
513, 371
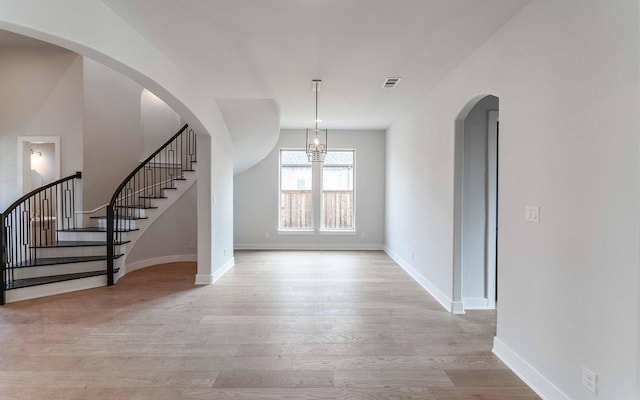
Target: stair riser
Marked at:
133, 212
55, 288
75, 251
49, 270
121, 224
88, 236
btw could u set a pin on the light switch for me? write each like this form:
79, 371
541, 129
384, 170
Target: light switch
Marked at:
532, 213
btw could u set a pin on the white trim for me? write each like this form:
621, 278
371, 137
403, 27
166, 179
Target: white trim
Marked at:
525, 371
223, 270
457, 307
476, 303
491, 235
204, 279
308, 246
436, 293
149, 262
336, 232
294, 232
209, 279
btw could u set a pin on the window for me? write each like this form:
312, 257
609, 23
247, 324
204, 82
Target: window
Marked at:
337, 190
317, 194
296, 178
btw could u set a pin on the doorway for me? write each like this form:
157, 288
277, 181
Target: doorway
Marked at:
476, 206
38, 161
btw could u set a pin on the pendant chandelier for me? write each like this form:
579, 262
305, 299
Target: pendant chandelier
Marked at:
316, 138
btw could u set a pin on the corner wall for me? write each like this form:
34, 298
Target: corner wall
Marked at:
475, 202
40, 95
566, 74
256, 196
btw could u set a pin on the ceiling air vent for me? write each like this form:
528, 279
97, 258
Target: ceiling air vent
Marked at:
391, 83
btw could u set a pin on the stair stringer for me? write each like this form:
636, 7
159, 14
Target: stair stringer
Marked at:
162, 205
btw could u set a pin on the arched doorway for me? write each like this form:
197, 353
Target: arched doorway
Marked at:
476, 205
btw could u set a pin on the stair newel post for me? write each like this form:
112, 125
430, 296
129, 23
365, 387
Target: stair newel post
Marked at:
110, 244
3, 258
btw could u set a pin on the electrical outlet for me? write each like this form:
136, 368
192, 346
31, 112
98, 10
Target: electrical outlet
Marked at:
532, 213
266, 235
589, 380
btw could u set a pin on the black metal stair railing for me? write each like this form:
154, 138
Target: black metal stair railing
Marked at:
33, 221
147, 182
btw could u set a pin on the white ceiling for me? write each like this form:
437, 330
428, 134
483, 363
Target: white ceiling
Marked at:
250, 49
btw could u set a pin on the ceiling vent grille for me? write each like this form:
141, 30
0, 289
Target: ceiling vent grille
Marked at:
391, 83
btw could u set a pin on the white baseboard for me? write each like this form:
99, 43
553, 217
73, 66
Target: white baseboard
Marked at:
223, 270
457, 307
208, 279
525, 371
308, 246
436, 293
160, 260
476, 303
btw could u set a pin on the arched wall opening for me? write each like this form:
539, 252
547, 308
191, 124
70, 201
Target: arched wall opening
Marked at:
475, 205
153, 70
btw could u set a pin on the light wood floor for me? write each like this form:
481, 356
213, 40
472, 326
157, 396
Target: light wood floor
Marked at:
280, 325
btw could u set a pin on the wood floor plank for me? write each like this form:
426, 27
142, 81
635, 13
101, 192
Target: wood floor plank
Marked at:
488, 378
279, 325
274, 379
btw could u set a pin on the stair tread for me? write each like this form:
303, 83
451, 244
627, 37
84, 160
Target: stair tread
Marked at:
22, 283
75, 243
153, 197
94, 229
41, 262
140, 206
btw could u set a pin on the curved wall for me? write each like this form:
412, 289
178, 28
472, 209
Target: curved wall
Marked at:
94, 30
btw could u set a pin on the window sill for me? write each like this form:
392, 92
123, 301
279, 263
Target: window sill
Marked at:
302, 232
336, 232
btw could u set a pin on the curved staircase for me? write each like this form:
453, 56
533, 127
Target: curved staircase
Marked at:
44, 250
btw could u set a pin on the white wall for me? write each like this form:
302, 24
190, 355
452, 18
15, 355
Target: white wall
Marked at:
158, 121
474, 200
40, 95
566, 74
112, 131
174, 233
123, 125
223, 205
215, 204
256, 196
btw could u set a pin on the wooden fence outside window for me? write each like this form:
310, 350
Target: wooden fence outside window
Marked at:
297, 211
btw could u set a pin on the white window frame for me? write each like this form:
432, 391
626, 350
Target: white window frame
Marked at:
316, 200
